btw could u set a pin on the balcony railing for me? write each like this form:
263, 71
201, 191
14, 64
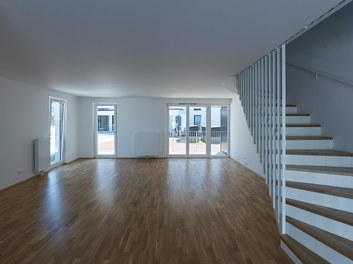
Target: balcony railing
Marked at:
195, 136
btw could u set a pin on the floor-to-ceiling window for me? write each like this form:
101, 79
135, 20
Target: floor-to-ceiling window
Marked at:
198, 130
219, 130
105, 136
57, 123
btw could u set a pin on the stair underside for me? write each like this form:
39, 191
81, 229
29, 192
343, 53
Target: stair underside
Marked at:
304, 254
341, 245
321, 152
334, 214
321, 169
325, 189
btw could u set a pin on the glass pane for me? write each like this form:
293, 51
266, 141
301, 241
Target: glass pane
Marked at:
197, 130
106, 130
219, 130
177, 130
56, 127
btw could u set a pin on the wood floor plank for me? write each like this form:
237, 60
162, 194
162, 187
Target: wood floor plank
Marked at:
322, 169
297, 114
303, 125
308, 138
319, 188
319, 152
140, 211
303, 253
334, 214
340, 244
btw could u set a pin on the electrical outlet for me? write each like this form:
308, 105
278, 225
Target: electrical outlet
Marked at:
19, 171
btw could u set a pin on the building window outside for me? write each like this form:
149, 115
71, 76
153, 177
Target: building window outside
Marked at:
103, 123
197, 120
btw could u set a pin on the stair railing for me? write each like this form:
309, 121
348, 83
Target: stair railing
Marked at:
262, 91
318, 74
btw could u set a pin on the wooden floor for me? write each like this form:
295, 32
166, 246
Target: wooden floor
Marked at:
140, 211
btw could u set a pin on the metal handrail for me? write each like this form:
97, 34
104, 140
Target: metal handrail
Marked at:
319, 73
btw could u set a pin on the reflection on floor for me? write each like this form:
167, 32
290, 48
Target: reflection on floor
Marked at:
140, 211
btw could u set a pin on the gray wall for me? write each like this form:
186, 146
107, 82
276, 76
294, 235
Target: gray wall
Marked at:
328, 48
24, 117
242, 147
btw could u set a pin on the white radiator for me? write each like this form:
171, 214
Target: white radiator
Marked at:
147, 144
41, 154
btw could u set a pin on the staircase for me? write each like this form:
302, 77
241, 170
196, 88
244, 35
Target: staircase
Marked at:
319, 195
310, 183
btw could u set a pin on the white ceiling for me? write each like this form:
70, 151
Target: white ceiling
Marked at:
167, 48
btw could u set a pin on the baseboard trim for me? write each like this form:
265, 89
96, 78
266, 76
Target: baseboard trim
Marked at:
73, 161
289, 253
8, 188
241, 164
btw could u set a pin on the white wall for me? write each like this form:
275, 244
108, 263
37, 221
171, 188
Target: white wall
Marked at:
242, 147
134, 115
24, 117
328, 48
215, 116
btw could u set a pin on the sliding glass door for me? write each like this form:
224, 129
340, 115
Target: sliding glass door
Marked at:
105, 136
57, 115
198, 130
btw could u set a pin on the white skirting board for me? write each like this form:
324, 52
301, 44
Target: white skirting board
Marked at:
41, 154
147, 144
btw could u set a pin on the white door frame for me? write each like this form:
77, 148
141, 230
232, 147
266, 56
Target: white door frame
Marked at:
63, 129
